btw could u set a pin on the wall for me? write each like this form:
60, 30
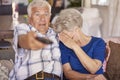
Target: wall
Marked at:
5, 21
104, 12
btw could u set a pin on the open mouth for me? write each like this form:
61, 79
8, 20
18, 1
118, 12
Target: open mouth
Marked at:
42, 24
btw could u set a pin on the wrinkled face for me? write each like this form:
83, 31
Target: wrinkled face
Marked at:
40, 18
72, 34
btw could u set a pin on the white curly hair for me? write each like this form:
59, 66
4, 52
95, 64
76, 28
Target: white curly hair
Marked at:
68, 19
38, 3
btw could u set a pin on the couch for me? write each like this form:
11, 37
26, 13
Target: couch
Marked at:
111, 64
6, 62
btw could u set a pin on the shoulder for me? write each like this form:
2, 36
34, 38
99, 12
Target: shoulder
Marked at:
99, 41
62, 46
22, 26
21, 29
51, 30
51, 33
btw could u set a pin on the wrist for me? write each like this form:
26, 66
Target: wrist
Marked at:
75, 47
90, 77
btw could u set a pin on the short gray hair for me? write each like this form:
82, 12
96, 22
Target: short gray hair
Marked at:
68, 19
38, 3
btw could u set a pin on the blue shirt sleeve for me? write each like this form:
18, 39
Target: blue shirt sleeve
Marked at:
64, 56
100, 50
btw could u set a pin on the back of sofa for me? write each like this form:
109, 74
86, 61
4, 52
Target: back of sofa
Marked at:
114, 39
111, 65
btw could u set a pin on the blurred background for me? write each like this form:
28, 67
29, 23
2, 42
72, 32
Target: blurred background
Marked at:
100, 16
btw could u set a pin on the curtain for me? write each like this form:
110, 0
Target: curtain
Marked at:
100, 2
114, 18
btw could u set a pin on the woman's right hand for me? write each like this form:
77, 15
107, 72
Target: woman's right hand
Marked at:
67, 40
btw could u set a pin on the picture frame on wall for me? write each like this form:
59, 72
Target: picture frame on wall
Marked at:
6, 2
5, 7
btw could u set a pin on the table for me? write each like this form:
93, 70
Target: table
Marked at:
5, 34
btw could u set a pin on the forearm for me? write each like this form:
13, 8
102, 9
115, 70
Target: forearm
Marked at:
90, 64
73, 75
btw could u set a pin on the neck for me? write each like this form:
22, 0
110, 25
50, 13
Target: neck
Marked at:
83, 39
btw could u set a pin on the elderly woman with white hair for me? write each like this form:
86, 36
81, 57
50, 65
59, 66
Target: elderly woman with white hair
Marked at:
82, 55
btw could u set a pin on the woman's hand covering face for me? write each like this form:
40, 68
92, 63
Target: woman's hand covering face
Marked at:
67, 40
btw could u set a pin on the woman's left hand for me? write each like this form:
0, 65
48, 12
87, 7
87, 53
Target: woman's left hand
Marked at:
67, 40
99, 77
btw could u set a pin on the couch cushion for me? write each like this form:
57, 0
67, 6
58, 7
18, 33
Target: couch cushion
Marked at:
5, 68
7, 63
113, 65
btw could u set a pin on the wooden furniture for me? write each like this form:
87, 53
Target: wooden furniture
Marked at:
5, 34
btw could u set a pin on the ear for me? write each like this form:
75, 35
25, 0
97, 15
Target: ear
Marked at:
29, 20
50, 16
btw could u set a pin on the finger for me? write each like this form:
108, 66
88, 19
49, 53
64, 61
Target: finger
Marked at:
64, 39
62, 36
66, 35
100, 77
103, 77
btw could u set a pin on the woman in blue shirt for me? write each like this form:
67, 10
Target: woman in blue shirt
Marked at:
82, 56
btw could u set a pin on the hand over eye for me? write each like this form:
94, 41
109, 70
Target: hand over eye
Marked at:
67, 40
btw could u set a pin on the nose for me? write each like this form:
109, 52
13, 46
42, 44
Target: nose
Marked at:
42, 18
